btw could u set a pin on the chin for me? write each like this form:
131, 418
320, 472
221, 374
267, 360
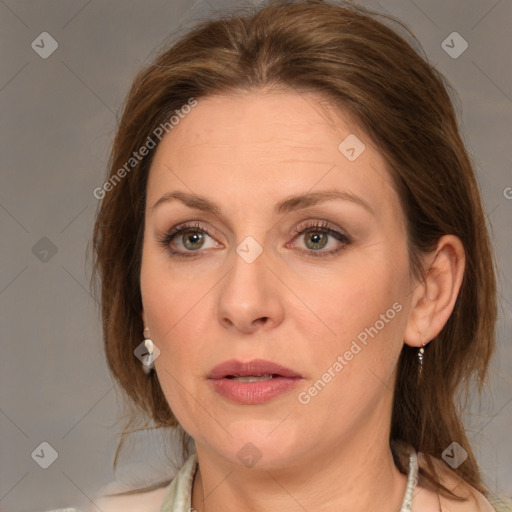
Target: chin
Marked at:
262, 447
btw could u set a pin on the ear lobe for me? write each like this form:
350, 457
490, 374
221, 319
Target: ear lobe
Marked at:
434, 297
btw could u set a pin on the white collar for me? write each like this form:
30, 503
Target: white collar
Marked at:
179, 496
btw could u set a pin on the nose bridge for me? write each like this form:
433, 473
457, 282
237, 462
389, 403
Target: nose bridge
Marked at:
245, 283
246, 297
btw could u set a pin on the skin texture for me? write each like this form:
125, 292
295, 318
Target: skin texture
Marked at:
248, 152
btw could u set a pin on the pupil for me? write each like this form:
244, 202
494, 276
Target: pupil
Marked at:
317, 239
196, 238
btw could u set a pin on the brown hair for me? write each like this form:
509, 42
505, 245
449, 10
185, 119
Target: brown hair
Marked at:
365, 68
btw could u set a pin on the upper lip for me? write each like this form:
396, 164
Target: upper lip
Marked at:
255, 367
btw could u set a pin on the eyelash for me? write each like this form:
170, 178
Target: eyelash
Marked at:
309, 226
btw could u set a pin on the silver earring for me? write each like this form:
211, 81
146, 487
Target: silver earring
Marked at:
148, 364
421, 351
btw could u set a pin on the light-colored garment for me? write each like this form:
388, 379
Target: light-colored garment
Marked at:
179, 499
179, 495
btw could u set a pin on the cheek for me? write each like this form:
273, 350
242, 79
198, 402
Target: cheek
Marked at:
174, 311
169, 292
359, 313
351, 298
352, 371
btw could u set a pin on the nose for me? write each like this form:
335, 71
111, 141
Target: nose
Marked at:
248, 297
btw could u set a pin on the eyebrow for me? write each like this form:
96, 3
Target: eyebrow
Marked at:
289, 204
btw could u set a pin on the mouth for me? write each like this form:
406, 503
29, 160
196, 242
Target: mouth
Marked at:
256, 369
252, 378
252, 383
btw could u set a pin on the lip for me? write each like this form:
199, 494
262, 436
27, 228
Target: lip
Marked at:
252, 393
253, 367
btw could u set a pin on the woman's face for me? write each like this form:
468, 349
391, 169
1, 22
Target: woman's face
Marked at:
317, 285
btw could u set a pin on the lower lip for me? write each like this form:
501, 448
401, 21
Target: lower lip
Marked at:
253, 393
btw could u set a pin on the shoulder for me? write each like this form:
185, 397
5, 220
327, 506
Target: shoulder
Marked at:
474, 501
150, 501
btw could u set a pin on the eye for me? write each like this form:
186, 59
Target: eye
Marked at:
186, 238
318, 235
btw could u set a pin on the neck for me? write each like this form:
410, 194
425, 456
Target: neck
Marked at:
353, 477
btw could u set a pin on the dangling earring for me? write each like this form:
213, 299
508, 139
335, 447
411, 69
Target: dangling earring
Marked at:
421, 353
149, 363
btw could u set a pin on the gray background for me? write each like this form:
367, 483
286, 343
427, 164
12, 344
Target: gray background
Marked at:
58, 118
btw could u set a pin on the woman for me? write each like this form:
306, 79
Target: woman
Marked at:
292, 242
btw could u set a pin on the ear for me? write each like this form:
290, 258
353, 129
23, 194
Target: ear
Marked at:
434, 297
143, 317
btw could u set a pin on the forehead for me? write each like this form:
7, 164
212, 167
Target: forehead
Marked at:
263, 146
252, 121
